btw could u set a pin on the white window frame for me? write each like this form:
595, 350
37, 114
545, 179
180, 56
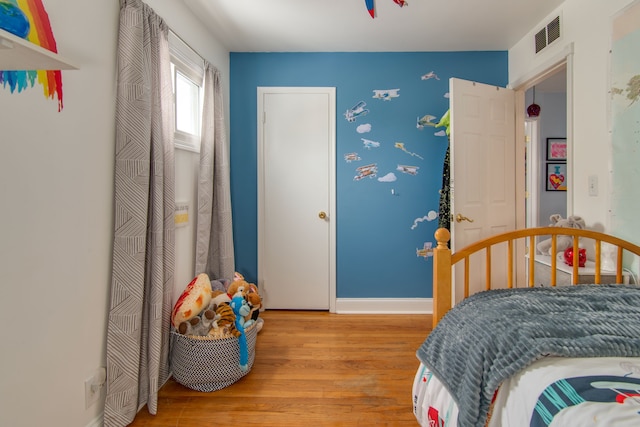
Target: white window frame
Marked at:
191, 66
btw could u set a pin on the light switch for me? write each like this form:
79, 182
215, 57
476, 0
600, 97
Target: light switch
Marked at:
593, 185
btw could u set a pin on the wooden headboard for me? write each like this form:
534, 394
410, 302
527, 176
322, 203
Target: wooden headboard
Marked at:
444, 259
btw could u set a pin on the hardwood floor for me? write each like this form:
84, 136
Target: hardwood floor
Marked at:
311, 369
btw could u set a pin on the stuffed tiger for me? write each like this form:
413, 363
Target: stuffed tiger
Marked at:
227, 320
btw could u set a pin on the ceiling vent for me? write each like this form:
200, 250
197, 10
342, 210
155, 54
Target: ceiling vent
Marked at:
548, 34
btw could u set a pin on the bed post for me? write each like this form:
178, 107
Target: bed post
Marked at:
441, 275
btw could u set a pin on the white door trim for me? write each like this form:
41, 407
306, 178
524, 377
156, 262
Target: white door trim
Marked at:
535, 76
331, 92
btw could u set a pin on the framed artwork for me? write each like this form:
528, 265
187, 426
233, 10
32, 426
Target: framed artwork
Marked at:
556, 177
557, 149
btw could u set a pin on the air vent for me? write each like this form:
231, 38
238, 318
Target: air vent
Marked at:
553, 30
548, 34
541, 40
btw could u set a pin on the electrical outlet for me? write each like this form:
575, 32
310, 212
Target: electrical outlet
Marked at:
93, 386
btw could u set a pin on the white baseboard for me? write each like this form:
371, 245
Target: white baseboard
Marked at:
96, 422
384, 305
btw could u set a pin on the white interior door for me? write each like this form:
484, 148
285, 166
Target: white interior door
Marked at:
483, 170
296, 170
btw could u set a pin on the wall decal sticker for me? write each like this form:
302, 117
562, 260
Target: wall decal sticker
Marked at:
441, 133
366, 171
352, 157
385, 94
39, 33
430, 216
401, 3
430, 75
426, 251
356, 111
426, 120
368, 144
411, 170
390, 177
401, 146
364, 128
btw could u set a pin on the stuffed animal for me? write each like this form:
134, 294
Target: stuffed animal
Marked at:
219, 297
194, 299
240, 309
219, 285
200, 325
255, 302
227, 320
238, 287
562, 242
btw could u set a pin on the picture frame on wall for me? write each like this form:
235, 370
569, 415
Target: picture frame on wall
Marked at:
557, 149
556, 177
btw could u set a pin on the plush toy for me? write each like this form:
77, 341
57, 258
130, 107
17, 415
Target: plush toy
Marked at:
562, 242
219, 297
193, 301
255, 302
238, 287
200, 325
240, 309
219, 285
227, 320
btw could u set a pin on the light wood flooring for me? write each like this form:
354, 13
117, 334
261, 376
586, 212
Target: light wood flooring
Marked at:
311, 369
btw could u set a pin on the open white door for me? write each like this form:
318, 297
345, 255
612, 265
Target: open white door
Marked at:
483, 171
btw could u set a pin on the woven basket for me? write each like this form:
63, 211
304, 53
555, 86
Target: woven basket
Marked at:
209, 364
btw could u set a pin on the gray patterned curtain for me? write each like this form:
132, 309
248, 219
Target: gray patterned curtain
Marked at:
143, 242
214, 234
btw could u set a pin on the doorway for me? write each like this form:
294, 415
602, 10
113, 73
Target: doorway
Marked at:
545, 195
296, 197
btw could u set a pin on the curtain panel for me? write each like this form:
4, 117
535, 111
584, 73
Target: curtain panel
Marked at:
144, 201
214, 234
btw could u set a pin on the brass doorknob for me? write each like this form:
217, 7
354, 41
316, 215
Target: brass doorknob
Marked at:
460, 218
322, 215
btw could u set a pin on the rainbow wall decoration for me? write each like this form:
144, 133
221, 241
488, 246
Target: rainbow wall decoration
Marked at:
39, 32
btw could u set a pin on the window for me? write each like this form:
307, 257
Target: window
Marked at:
187, 73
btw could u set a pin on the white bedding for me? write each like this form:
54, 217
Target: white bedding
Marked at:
553, 391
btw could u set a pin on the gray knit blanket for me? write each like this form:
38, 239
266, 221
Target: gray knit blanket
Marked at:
492, 335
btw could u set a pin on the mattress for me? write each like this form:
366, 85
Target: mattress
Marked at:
553, 391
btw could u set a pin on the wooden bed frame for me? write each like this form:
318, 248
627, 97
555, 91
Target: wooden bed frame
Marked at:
444, 259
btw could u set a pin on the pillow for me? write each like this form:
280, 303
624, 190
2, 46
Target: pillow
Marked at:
194, 299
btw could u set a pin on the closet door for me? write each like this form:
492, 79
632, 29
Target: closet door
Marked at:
296, 219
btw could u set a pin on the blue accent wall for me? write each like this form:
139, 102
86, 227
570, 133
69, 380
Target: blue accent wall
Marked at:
378, 230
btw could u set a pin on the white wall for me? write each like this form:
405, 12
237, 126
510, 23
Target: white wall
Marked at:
586, 24
56, 175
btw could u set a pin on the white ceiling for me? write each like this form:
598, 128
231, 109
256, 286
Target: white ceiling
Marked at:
345, 25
